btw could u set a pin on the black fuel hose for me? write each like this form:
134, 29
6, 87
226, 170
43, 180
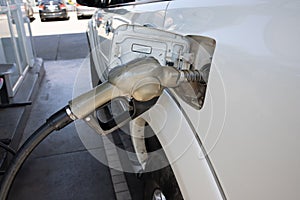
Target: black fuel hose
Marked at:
56, 122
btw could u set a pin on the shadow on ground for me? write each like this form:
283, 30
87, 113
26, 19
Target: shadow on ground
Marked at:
62, 46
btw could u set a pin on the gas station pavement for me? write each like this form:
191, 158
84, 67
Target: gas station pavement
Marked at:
61, 167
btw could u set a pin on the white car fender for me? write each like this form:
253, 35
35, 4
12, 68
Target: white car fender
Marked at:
182, 146
257, 47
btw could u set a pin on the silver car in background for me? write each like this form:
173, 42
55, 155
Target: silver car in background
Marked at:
27, 10
84, 11
50, 9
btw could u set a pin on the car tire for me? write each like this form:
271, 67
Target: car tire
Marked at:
43, 20
31, 19
79, 17
160, 184
159, 176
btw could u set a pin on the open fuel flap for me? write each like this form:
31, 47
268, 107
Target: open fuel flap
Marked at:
189, 54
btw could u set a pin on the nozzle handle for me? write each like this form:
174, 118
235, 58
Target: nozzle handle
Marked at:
86, 103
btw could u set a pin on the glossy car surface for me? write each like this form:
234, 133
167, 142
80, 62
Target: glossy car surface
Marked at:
50, 9
243, 143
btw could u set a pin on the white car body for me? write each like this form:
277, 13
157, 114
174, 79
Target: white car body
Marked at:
249, 124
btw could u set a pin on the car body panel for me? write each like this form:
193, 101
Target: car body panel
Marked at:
189, 163
48, 15
249, 124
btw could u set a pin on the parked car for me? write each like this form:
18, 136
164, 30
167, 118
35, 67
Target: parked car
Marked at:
27, 9
84, 11
50, 9
235, 135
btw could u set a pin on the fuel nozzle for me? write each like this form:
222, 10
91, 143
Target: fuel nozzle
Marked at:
141, 79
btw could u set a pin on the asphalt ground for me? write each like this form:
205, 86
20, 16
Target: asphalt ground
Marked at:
61, 46
62, 167
60, 39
